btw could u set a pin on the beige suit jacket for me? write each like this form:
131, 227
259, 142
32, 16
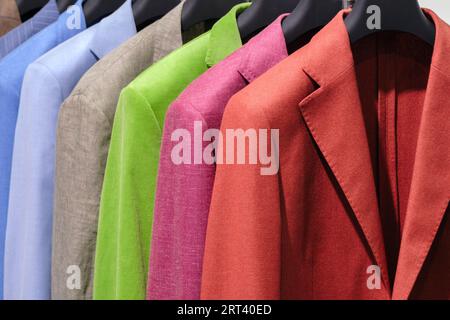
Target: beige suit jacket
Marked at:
83, 137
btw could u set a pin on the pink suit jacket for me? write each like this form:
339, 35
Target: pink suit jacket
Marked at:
184, 191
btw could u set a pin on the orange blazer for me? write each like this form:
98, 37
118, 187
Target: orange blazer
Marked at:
359, 208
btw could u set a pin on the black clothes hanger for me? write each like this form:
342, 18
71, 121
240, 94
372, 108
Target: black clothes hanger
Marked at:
96, 10
28, 9
64, 4
398, 15
196, 11
261, 14
308, 16
148, 11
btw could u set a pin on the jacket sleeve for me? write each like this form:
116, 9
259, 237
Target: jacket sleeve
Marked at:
181, 210
242, 253
30, 212
126, 206
81, 152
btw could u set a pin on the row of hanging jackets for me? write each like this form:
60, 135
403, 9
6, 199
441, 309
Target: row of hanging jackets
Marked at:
164, 164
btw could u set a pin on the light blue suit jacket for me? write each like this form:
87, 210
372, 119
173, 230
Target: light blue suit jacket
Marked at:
47, 15
47, 83
12, 70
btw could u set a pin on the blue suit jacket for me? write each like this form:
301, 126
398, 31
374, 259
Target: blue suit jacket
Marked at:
47, 83
12, 70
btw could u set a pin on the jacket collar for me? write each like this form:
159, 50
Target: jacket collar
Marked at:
48, 14
263, 51
335, 108
225, 37
121, 23
45, 17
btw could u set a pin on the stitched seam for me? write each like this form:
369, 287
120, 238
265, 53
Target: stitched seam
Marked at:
332, 80
341, 182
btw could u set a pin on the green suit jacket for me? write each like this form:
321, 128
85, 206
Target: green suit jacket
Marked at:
126, 206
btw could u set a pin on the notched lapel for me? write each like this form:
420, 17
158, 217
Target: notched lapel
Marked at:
334, 116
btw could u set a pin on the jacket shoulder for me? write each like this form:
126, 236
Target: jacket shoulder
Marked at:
101, 85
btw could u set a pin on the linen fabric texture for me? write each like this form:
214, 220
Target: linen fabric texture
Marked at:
48, 81
184, 191
12, 71
83, 138
126, 209
363, 186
